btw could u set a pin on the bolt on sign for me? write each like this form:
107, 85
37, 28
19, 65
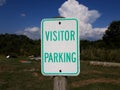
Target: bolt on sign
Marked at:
60, 47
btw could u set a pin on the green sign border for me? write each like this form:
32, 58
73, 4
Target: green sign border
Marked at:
42, 49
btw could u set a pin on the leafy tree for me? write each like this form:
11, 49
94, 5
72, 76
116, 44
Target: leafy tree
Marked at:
18, 45
112, 35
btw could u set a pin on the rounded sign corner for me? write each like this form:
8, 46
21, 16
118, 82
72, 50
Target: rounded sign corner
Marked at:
42, 21
43, 73
78, 72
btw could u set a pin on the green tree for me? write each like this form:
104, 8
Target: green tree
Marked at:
112, 35
18, 45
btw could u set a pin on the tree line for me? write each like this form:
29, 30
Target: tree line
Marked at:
110, 40
107, 48
18, 45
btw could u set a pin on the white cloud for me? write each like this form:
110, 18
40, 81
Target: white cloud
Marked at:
32, 29
31, 32
86, 17
23, 14
2, 2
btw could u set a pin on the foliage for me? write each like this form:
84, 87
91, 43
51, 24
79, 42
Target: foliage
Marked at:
98, 54
12, 44
107, 49
112, 35
98, 50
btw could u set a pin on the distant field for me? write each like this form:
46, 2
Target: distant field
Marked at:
15, 75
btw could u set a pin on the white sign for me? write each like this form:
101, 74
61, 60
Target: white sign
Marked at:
60, 47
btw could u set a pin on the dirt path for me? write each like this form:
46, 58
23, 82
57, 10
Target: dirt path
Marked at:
92, 81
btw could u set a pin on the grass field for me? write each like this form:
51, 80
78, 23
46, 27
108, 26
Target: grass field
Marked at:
15, 75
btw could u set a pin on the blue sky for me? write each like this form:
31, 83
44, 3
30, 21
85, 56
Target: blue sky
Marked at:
24, 16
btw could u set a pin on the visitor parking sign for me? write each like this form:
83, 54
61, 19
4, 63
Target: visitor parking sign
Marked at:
60, 47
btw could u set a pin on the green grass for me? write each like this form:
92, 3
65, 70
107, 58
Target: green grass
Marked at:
110, 55
20, 76
99, 86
